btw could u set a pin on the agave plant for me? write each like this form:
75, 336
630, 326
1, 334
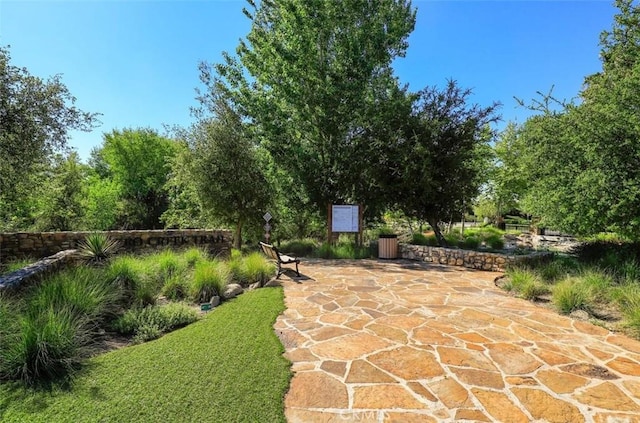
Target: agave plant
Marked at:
97, 247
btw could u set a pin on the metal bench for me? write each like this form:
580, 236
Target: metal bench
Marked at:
272, 253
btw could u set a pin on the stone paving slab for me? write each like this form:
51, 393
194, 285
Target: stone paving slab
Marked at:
400, 341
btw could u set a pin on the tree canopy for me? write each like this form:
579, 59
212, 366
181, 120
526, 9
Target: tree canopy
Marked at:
225, 168
442, 162
136, 161
35, 118
312, 76
580, 163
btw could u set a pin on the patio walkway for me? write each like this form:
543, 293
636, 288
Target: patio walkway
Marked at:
398, 341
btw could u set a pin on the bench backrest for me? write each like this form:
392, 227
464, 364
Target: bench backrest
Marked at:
270, 251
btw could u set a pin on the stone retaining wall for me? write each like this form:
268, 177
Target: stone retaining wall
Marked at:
467, 258
18, 245
38, 269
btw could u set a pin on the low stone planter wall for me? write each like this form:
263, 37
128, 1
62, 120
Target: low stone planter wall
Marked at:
38, 269
17, 245
467, 258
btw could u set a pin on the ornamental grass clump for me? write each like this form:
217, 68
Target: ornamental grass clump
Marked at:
169, 264
571, 294
209, 279
176, 288
258, 268
132, 274
87, 292
526, 283
194, 255
53, 327
599, 283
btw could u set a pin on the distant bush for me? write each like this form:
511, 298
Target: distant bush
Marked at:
341, 251
470, 243
421, 239
495, 242
299, 248
452, 239
606, 253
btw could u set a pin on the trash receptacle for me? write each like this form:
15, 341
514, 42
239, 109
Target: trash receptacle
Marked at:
388, 246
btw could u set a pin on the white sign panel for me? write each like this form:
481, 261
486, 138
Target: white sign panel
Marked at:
345, 218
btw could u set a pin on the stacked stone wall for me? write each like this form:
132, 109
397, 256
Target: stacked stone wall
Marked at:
472, 259
17, 245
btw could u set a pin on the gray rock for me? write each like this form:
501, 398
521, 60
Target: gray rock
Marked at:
232, 291
215, 301
254, 286
579, 315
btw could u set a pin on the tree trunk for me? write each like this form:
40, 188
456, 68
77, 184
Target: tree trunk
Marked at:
237, 235
436, 230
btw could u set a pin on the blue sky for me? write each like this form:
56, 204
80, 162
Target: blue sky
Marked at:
136, 61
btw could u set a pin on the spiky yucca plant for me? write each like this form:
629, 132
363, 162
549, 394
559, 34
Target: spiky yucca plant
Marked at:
97, 247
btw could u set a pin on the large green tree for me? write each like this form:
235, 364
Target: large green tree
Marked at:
35, 118
582, 161
443, 160
137, 162
315, 77
225, 167
60, 203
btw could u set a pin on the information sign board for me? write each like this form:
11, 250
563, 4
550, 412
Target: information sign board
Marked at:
345, 218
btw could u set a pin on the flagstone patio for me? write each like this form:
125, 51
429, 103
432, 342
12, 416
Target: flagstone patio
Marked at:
401, 341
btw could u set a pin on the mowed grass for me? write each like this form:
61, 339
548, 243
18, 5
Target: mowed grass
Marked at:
227, 367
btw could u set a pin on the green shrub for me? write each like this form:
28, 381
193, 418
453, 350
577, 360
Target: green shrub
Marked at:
533, 290
470, 243
606, 253
49, 344
299, 248
421, 239
525, 283
599, 284
194, 255
258, 269
176, 288
169, 264
209, 279
495, 242
342, 251
570, 295
150, 322
84, 291
98, 247
452, 239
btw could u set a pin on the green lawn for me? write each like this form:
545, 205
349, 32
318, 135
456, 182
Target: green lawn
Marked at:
228, 367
